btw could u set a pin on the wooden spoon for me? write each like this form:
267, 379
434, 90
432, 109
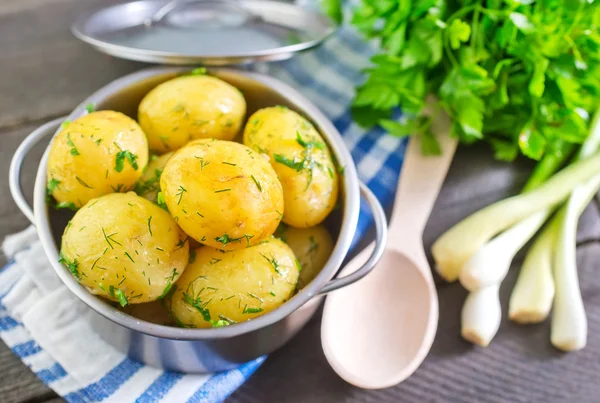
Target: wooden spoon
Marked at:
376, 332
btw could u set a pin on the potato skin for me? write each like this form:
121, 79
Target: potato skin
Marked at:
82, 164
188, 108
149, 184
302, 162
222, 194
125, 243
312, 246
223, 288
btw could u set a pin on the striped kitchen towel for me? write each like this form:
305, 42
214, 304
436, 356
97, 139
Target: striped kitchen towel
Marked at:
43, 323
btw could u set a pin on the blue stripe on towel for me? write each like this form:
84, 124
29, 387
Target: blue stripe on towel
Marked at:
218, 387
52, 374
108, 385
26, 349
7, 323
160, 387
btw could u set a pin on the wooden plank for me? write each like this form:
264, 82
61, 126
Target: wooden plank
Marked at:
46, 71
11, 217
18, 383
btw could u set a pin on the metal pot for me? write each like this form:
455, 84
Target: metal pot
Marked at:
206, 350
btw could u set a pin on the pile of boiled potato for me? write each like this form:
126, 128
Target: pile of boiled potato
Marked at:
207, 232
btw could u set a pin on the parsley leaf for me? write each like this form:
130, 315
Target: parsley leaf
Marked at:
458, 31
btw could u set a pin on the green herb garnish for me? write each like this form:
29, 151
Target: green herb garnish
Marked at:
90, 108
129, 256
72, 266
198, 304
82, 183
222, 190
225, 239
160, 200
251, 310
248, 238
73, 151
199, 71
120, 295
52, 186
255, 297
181, 243
67, 205
109, 240
180, 193
293, 164
203, 163
274, 263
308, 144
125, 155
118, 188
257, 183
149, 185
150, 225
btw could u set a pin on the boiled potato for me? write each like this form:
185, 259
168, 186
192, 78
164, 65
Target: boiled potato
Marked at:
191, 107
124, 248
149, 184
153, 312
99, 153
312, 246
302, 162
219, 288
222, 194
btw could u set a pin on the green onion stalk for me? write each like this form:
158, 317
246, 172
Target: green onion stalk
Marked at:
549, 272
454, 248
483, 273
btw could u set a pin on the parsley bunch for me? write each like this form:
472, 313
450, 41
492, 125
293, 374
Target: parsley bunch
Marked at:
523, 75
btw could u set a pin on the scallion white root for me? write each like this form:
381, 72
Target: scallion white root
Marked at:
452, 250
481, 314
531, 299
490, 264
569, 323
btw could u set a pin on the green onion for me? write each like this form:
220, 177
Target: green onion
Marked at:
532, 297
452, 250
568, 330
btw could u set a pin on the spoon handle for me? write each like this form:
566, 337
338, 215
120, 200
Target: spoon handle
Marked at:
421, 178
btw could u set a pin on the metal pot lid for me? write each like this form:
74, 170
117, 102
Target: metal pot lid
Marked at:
208, 32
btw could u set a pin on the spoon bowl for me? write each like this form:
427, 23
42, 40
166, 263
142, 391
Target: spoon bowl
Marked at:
397, 286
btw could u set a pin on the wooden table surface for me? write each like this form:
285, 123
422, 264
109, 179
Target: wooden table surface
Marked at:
45, 72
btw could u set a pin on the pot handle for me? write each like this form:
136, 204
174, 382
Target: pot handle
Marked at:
381, 231
14, 173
